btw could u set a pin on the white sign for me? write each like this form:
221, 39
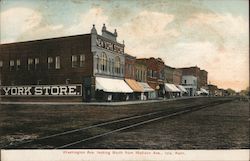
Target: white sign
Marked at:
110, 46
42, 90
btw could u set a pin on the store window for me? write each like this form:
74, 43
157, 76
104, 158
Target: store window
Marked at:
12, 65
74, 61
58, 65
18, 64
82, 60
50, 62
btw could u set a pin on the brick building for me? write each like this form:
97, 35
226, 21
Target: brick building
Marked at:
197, 72
155, 74
91, 60
213, 90
172, 75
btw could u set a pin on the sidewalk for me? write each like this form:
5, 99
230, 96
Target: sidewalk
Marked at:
98, 103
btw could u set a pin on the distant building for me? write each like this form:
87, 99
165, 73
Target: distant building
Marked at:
201, 75
190, 84
213, 90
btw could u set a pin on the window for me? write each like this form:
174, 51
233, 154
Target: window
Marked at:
1, 63
58, 66
110, 65
113, 66
67, 81
155, 74
97, 62
82, 60
185, 81
50, 62
39, 82
18, 64
103, 62
117, 65
30, 63
74, 61
12, 64
36, 63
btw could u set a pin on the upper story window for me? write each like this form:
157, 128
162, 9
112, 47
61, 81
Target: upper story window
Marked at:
50, 62
103, 62
74, 61
117, 65
185, 81
58, 65
155, 74
113, 66
18, 64
39, 82
12, 65
30, 63
37, 61
67, 81
82, 60
110, 65
1, 63
97, 62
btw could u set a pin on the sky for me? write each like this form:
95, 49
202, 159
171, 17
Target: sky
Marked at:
212, 34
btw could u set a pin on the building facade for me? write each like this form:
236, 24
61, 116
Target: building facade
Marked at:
190, 84
89, 60
201, 75
155, 74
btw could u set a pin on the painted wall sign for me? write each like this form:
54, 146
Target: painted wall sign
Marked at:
41, 90
108, 45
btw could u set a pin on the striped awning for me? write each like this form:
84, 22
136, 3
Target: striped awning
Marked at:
134, 85
112, 85
182, 88
171, 88
146, 87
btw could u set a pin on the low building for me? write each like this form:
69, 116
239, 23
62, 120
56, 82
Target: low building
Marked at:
213, 90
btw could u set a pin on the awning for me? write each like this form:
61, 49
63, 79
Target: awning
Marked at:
135, 86
112, 85
204, 91
171, 88
182, 88
146, 87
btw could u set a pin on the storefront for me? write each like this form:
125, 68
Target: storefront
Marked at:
108, 89
148, 92
172, 91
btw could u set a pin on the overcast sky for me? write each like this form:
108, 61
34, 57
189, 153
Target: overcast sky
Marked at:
212, 34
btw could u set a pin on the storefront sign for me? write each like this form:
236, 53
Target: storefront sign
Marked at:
42, 90
108, 45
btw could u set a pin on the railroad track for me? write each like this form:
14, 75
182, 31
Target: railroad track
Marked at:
74, 138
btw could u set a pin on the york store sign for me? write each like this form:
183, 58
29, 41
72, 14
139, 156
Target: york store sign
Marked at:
42, 90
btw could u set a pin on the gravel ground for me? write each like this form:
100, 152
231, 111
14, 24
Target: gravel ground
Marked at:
224, 126
23, 122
